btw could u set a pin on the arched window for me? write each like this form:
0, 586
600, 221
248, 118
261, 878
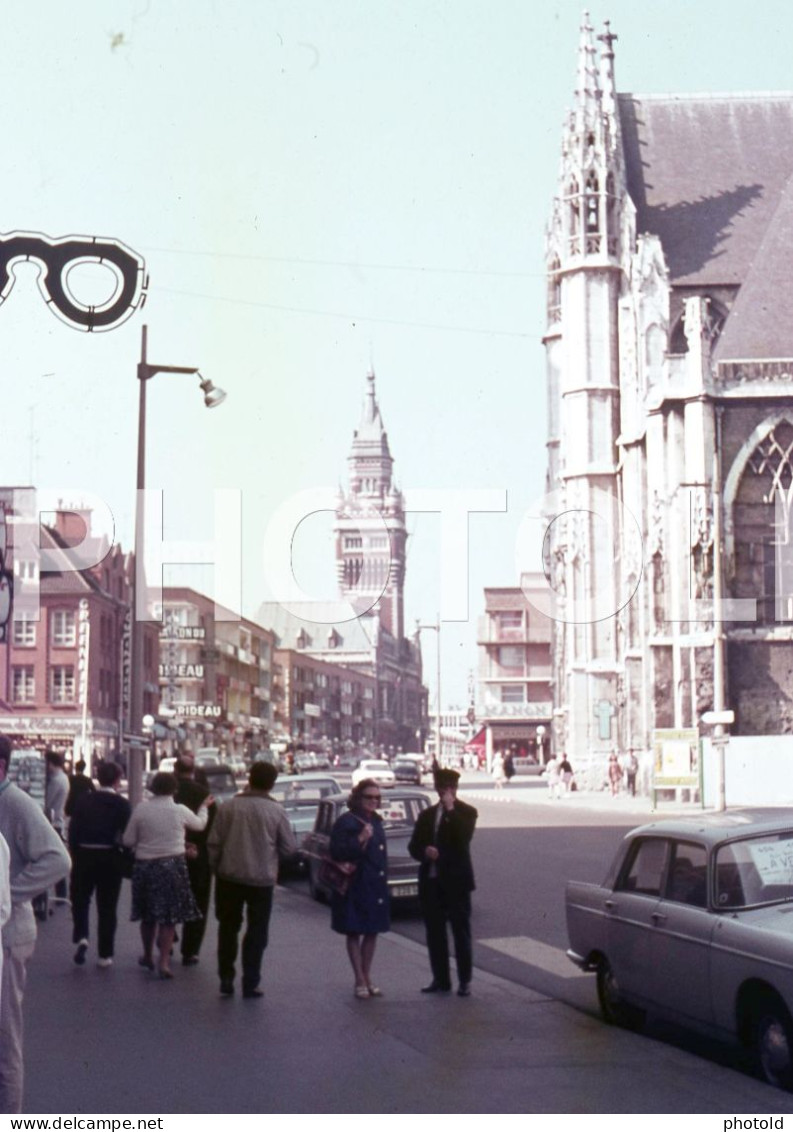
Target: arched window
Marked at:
574, 212
762, 523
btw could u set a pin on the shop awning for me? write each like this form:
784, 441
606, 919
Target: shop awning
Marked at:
477, 743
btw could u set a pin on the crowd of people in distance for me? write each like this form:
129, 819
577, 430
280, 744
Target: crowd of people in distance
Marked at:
173, 843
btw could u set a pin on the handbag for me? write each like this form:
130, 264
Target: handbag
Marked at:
336, 875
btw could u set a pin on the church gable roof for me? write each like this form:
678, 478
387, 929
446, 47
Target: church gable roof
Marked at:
706, 174
760, 325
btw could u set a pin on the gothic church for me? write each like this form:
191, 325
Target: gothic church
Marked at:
669, 347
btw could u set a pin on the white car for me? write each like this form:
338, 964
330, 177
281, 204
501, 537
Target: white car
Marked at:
378, 769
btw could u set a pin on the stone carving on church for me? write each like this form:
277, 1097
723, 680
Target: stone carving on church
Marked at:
702, 543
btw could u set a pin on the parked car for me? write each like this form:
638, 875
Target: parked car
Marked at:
301, 797
399, 811
236, 765
221, 782
377, 769
208, 756
694, 922
406, 770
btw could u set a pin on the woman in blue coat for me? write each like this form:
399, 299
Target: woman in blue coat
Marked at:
359, 836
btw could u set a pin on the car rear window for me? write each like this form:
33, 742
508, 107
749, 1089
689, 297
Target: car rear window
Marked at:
756, 870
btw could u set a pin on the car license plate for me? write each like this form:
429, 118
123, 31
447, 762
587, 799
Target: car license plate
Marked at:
404, 890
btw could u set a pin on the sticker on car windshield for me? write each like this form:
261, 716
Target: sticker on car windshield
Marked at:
773, 860
393, 812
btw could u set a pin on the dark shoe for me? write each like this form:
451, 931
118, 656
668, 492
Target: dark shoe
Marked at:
464, 990
226, 988
79, 955
147, 963
189, 960
255, 993
436, 988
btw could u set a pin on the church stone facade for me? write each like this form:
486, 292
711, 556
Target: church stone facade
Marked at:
669, 348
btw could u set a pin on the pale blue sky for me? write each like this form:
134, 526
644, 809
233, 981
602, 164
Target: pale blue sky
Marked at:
315, 185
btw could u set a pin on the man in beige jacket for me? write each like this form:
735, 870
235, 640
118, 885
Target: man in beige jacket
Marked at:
249, 836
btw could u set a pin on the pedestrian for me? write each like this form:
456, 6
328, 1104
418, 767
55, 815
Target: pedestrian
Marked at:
614, 774
79, 784
249, 836
553, 777
5, 896
441, 842
38, 860
509, 766
161, 895
363, 911
631, 770
566, 773
95, 830
55, 798
499, 773
192, 793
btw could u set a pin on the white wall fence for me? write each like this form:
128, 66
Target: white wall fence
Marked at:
758, 771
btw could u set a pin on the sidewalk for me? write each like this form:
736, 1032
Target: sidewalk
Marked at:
119, 1041
534, 791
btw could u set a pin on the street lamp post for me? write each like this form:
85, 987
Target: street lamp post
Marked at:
436, 628
212, 397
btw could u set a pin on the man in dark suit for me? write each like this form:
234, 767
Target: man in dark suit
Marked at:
441, 843
191, 793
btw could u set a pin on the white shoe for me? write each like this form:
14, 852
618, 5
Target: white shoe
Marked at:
104, 962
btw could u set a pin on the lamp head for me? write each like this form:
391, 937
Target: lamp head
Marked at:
212, 394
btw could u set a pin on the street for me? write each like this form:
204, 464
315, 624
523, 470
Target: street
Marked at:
528, 1040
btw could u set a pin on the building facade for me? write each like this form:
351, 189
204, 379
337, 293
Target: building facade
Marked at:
670, 385
215, 676
322, 706
513, 695
64, 670
370, 545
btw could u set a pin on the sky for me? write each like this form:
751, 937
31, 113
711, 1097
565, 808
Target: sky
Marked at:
317, 187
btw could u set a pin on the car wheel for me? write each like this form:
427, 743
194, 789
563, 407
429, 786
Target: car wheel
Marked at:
615, 1010
772, 1040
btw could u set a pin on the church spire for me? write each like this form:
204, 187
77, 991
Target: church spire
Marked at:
587, 87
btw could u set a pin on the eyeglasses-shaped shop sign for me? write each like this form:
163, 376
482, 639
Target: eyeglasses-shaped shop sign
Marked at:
56, 258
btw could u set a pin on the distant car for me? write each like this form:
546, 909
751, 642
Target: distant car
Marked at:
236, 765
305, 761
399, 811
424, 761
377, 769
300, 797
406, 770
208, 756
694, 922
221, 782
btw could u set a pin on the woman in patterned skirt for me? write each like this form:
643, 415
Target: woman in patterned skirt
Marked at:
161, 893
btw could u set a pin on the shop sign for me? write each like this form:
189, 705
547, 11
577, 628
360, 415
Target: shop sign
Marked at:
204, 711
312, 710
183, 633
185, 671
83, 638
126, 662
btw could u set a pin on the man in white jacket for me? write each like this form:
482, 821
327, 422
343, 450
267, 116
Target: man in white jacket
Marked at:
38, 859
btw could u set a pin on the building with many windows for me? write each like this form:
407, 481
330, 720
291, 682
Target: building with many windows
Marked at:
214, 675
513, 696
322, 706
371, 538
65, 666
670, 377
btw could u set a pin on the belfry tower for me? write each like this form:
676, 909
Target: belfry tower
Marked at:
370, 524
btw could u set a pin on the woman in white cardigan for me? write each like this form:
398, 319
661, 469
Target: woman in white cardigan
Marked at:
161, 893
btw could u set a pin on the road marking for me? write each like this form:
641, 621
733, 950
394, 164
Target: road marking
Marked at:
542, 955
